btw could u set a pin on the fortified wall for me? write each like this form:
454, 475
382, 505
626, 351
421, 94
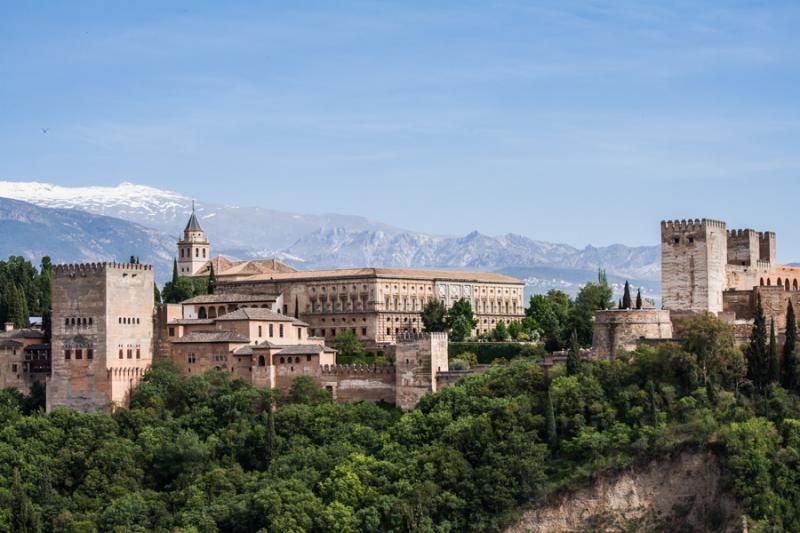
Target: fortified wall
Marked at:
620, 330
358, 382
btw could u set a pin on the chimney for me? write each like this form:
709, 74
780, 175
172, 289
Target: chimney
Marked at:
9, 326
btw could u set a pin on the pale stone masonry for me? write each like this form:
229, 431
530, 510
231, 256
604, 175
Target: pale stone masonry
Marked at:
102, 338
706, 268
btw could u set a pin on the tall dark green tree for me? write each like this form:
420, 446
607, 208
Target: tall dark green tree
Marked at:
550, 421
271, 437
757, 353
434, 316
639, 298
773, 372
212, 280
174, 271
573, 355
156, 294
296, 307
626, 296
24, 518
652, 409
789, 366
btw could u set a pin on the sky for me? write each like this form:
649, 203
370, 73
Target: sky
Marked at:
579, 122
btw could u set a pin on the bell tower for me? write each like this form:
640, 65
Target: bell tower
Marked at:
193, 248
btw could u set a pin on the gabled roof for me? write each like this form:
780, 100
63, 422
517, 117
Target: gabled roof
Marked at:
23, 333
230, 298
259, 313
304, 349
212, 336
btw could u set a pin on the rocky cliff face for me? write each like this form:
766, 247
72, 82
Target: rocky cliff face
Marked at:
682, 493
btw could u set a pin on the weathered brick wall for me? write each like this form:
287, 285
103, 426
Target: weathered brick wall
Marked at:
622, 329
418, 358
353, 383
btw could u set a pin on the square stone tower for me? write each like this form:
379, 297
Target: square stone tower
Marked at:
102, 340
694, 254
419, 357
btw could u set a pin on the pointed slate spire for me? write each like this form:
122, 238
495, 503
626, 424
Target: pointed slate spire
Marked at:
193, 224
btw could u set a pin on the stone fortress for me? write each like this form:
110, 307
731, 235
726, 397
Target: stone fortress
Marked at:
266, 323
706, 267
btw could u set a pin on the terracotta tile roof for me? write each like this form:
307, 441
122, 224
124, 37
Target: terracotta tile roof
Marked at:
391, 273
23, 333
303, 349
224, 267
199, 337
244, 350
191, 321
259, 313
230, 298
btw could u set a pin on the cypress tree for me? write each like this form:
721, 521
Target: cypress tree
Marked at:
22, 317
626, 296
271, 437
773, 371
212, 279
12, 304
639, 298
550, 420
24, 518
789, 366
619, 305
652, 410
573, 355
296, 307
174, 271
132, 260
757, 354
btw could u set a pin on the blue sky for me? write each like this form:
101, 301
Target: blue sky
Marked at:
579, 122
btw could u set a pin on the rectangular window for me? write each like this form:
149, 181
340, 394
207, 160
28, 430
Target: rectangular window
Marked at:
259, 331
271, 332
120, 353
280, 330
363, 332
66, 321
299, 333
138, 353
78, 354
308, 358
171, 332
67, 354
90, 353
312, 332
130, 353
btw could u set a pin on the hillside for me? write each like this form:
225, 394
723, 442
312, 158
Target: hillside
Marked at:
635, 444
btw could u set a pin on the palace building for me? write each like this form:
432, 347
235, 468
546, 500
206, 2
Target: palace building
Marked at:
377, 304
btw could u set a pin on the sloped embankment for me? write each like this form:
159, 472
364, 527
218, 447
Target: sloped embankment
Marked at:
680, 493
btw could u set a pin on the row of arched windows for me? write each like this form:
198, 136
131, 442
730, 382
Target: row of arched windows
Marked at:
128, 320
785, 283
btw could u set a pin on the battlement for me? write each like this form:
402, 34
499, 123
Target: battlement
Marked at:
69, 269
766, 234
408, 336
739, 233
691, 224
357, 368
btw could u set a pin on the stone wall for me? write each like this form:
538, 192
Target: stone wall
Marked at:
353, 383
622, 329
418, 359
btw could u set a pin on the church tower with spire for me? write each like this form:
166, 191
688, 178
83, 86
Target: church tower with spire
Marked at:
193, 248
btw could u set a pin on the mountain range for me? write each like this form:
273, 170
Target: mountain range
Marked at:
95, 223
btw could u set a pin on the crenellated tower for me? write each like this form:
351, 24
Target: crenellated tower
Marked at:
694, 255
193, 249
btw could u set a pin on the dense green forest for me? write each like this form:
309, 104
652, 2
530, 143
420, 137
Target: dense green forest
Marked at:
208, 454
24, 290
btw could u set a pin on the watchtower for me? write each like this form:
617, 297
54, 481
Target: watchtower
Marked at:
694, 254
102, 334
